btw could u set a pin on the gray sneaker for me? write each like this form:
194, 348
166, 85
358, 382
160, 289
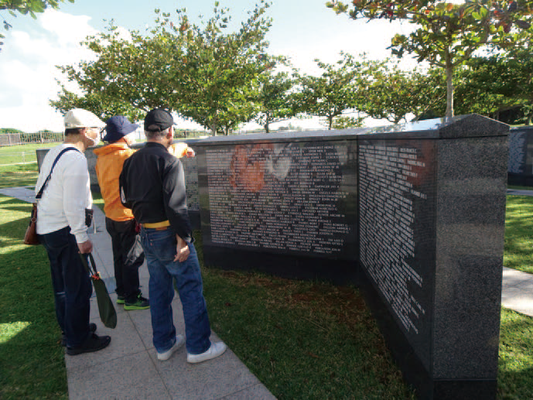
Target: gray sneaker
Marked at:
216, 349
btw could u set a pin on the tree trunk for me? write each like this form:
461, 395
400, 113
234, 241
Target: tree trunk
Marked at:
449, 87
330, 122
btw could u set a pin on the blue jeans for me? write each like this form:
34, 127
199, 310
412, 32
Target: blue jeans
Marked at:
160, 250
71, 283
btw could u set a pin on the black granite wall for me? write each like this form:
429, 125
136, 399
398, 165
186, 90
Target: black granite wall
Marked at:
281, 203
414, 214
432, 225
520, 168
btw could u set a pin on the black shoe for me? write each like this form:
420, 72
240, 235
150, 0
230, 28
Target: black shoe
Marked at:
140, 303
94, 343
92, 328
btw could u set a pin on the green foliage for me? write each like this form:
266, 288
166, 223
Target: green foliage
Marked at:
345, 122
10, 130
447, 33
392, 93
333, 92
275, 98
489, 85
203, 72
25, 7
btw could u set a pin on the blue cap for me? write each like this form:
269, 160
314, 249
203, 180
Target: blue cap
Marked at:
118, 127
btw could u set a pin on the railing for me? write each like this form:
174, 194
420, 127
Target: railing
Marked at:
12, 139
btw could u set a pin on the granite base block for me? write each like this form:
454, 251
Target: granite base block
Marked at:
413, 370
339, 272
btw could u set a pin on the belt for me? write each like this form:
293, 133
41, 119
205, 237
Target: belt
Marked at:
156, 225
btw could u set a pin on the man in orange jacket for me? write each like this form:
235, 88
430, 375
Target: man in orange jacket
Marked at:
128, 255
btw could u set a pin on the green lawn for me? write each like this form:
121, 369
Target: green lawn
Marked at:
518, 253
22, 153
18, 175
303, 340
31, 360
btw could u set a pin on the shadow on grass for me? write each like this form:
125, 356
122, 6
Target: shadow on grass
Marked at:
13, 232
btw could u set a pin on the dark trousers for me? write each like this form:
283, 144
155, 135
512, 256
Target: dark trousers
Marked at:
128, 256
71, 283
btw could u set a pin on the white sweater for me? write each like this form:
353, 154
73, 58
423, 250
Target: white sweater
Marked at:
67, 194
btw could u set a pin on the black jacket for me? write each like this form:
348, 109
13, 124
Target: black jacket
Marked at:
152, 184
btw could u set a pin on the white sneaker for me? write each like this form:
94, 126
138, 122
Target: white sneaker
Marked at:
166, 355
216, 349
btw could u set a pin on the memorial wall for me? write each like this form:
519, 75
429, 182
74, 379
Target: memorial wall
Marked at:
291, 198
432, 215
397, 229
520, 168
414, 214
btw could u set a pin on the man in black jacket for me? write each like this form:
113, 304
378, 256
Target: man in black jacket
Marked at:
152, 184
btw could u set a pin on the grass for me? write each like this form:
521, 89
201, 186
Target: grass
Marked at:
303, 340
13, 154
515, 374
18, 175
31, 359
518, 250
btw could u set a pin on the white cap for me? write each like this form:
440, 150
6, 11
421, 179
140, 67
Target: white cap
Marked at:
80, 118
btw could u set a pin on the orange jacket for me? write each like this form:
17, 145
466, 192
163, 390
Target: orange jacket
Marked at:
108, 168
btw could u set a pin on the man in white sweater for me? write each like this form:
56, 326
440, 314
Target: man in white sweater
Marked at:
62, 229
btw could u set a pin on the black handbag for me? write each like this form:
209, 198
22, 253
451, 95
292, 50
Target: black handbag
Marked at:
106, 309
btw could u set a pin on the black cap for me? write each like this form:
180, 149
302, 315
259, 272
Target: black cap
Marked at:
158, 120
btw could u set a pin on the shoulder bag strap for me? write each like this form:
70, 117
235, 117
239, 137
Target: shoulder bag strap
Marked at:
40, 194
90, 266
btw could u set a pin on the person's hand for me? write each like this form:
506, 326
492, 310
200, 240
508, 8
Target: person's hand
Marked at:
85, 247
190, 153
182, 250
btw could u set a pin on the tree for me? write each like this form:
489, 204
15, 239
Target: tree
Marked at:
25, 7
392, 93
10, 130
203, 73
100, 105
448, 33
221, 69
332, 93
496, 83
275, 99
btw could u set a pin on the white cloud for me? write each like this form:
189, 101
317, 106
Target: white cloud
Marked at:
356, 37
28, 72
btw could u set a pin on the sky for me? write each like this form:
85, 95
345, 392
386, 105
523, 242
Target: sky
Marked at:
301, 30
